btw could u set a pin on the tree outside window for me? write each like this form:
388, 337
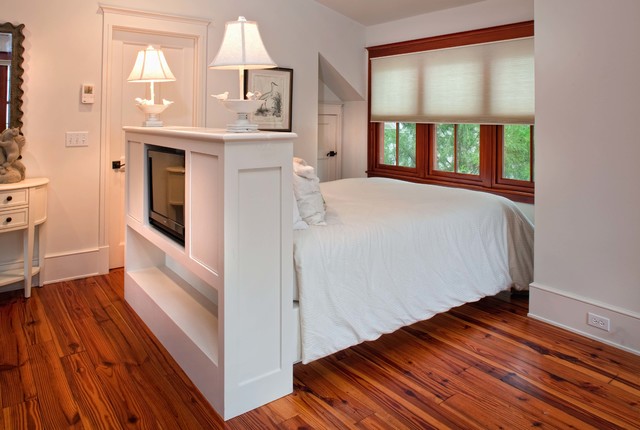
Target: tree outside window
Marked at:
399, 144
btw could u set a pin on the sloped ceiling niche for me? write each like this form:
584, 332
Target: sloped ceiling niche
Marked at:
332, 86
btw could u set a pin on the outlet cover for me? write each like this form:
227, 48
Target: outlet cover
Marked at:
598, 321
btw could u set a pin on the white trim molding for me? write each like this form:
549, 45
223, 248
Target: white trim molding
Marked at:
153, 15
72, 265
569, 311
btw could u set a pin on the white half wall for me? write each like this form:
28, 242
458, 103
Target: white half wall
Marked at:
587, 201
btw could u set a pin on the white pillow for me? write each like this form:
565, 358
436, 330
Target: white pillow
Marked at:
298, 222
306, 188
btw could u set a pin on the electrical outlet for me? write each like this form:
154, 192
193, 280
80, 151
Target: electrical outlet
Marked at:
597, 321
76, 138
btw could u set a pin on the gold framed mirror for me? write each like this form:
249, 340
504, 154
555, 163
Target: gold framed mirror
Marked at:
11, 71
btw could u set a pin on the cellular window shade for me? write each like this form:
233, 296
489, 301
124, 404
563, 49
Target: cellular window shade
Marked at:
490, 83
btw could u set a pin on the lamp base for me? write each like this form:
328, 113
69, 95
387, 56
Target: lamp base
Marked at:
152, 121
235, 128
242, 124
242, 108
152, 112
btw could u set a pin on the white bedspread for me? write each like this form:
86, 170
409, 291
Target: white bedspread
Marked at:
394, 253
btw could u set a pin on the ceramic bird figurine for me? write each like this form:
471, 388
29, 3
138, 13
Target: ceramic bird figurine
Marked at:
253, 96
222, 96
142, 101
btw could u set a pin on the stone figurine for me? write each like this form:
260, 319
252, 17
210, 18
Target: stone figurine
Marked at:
11, 144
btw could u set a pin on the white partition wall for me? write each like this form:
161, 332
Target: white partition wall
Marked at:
587, 206
221, 303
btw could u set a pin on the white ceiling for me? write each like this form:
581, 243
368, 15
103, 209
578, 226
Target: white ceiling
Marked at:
371, 12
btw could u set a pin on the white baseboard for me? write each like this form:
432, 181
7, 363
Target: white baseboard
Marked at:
569, 311
74, 265
103, 259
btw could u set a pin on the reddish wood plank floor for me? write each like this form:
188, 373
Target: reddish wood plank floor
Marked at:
76, 356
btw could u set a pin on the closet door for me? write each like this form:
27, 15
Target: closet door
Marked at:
329, 142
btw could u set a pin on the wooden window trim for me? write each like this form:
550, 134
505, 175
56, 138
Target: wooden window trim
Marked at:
499, 181
376, 131
464, 178
490, 177
471, 37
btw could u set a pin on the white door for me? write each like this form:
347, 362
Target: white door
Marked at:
126, 32
179, 53
329, 142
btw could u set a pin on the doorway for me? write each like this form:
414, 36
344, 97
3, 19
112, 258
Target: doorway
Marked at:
329, 142
125, 32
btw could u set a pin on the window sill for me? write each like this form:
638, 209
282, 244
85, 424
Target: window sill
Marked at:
521, 196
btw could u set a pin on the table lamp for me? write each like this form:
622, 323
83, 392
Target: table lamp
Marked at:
241, 49
152, 67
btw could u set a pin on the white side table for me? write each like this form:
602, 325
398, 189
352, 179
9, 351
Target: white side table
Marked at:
23, 206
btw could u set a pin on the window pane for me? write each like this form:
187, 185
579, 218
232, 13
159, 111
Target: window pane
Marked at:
407, 143
399, 145
458, 148
469, 149
389, 144
516, 153
445, 144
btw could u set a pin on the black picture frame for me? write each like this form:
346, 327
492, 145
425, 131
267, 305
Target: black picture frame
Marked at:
276, 89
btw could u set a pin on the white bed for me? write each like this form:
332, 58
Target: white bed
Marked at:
393, 253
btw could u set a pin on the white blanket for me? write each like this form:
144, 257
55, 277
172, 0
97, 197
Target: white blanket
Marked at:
394, 253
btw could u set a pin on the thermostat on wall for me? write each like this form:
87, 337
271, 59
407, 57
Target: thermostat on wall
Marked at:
88, 95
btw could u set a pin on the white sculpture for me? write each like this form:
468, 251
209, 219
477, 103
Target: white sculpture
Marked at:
11, 144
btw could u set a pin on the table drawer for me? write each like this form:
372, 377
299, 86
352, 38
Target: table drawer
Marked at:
11, 198
10, 220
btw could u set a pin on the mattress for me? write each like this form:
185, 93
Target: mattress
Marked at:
393, 253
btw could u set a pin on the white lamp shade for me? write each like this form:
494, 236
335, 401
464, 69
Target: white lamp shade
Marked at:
151, 66
242, 48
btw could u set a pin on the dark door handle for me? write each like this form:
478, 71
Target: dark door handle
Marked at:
332, 154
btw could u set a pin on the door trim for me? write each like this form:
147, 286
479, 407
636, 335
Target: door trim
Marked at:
145, 22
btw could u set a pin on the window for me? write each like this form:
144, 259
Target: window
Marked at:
399, 144
457, 148
457, 117
516, 153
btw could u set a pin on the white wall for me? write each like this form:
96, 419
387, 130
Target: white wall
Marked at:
587, 250
64, 50
354, 140
483, 14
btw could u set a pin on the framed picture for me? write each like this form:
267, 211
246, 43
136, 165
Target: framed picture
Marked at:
275, 87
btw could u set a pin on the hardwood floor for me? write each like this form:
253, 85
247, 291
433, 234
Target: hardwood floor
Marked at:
75, 356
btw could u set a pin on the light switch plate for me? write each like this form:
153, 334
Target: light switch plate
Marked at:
76, 138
